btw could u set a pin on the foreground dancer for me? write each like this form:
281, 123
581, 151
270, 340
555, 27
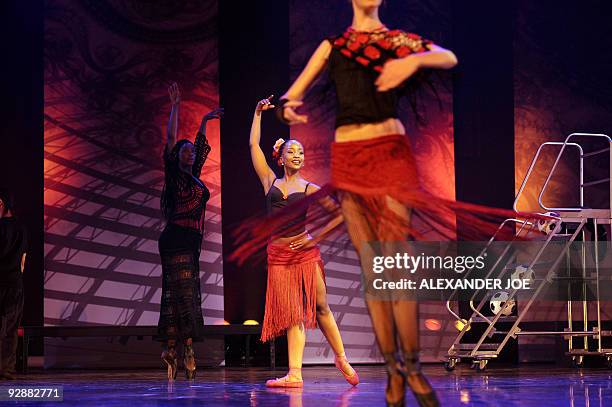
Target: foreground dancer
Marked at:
368, 65
296, 285
183, 203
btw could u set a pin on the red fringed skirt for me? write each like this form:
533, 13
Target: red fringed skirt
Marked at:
369, 172
384, 167
291, 295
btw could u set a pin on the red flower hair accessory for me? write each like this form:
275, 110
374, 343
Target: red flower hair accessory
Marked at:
276, 149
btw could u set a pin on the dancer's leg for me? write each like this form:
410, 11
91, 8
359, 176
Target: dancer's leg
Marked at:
296, 340
327, 324
169, 357
325, 318
406, 318
381, 313
405, 312
13, 311
360, 232
189, 359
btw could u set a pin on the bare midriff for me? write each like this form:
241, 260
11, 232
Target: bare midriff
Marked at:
355, 132
287, 240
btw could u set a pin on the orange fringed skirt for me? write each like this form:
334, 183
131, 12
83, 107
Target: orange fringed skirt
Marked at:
291, 295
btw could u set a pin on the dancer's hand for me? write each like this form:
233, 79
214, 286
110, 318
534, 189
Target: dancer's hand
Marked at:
395, 72
214, 114
305, 242
291, 115
264, 104
175, 93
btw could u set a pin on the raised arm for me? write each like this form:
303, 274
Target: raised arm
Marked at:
296, 92
175, 99
202, 148
263, 170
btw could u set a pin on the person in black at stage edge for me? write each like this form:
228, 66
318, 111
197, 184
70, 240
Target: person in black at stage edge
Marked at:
13, 245
183, 203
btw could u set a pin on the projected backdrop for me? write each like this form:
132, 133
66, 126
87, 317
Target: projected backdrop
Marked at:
107, 66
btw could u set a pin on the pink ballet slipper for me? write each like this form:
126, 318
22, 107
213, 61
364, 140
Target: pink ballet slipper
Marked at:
353, 379
285, 381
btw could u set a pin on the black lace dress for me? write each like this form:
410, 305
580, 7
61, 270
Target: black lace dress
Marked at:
179, 247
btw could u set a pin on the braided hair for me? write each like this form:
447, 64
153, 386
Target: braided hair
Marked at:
168, 196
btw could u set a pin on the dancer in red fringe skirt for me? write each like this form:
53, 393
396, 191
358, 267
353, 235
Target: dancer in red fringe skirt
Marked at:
296, 296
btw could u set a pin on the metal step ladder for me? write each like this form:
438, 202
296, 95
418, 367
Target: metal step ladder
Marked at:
564, 227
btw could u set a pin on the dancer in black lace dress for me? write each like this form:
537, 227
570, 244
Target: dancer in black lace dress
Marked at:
183, 203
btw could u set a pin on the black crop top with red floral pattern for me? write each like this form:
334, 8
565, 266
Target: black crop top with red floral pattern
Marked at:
354, 64
190, 193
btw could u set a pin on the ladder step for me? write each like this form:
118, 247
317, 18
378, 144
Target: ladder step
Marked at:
513, 266
561, 237
478, 356
578, 352
471, 346
502, 318
576, 216
595, 182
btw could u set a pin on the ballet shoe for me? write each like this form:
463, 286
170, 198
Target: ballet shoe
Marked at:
351, 379
412, 367
169, 357
287, 381
394, 370
188, 357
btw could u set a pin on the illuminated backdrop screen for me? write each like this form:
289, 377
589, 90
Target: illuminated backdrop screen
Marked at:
107, 66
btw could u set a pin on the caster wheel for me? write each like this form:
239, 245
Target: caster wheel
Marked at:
578, 362
481, 365
450, 365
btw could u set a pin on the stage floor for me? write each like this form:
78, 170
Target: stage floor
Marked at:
527, 385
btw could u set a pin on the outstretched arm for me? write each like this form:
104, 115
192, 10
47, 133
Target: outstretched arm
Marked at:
296, 92
437, 57
263, 170
175, 98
